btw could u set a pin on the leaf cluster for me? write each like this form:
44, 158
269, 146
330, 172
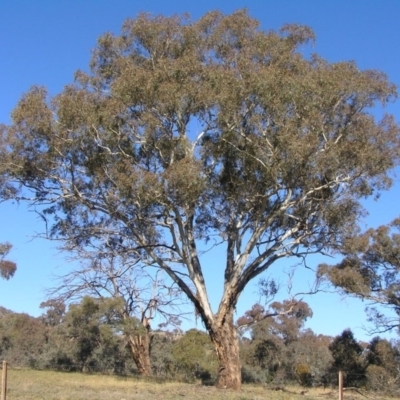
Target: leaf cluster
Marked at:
371, 270
7, 267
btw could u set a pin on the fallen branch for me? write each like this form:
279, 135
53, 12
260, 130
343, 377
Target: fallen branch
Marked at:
356, 390
277, 388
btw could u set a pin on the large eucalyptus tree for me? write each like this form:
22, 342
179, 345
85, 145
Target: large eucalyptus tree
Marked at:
188, 134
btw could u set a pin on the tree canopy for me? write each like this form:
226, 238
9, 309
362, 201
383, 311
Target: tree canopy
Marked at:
187, 134
371, 270
346, 352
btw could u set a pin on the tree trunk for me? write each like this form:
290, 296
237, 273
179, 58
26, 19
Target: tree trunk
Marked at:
139, 346
226, 344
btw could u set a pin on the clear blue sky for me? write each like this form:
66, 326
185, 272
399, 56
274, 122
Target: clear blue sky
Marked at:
44, 41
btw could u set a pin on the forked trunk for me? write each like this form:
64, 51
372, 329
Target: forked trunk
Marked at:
226, 345
139, 346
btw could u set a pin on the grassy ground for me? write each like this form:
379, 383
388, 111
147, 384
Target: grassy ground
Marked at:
49, 385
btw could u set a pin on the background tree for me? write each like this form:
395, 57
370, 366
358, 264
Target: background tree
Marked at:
83, 327
383, 371
110, 270
371, 271
262, 356
89, 329
311, 352
282, 319
288, 324
7, 268
278, 348
346, 353
23, 339
58, 351
54, 312
382, 353
185, 135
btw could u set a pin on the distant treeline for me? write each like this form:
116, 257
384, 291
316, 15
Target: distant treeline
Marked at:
275, 350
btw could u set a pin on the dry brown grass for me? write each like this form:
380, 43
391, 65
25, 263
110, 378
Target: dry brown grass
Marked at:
49, 385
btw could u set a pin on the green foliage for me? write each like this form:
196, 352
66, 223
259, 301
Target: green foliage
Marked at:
371, 271
84, 339
312, 350
346, 353
290, 319
194, 355
383, 353
23, 339
283, 319
384, 365
254, 375
278, 345
86, 325
7, 267
55, 312
304, 375
379, 379
261, 359
162, 360
132, 326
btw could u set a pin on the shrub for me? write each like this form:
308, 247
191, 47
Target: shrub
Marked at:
303, 374
378, 379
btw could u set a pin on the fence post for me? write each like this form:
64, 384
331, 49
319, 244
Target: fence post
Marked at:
4, 381
340, 385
